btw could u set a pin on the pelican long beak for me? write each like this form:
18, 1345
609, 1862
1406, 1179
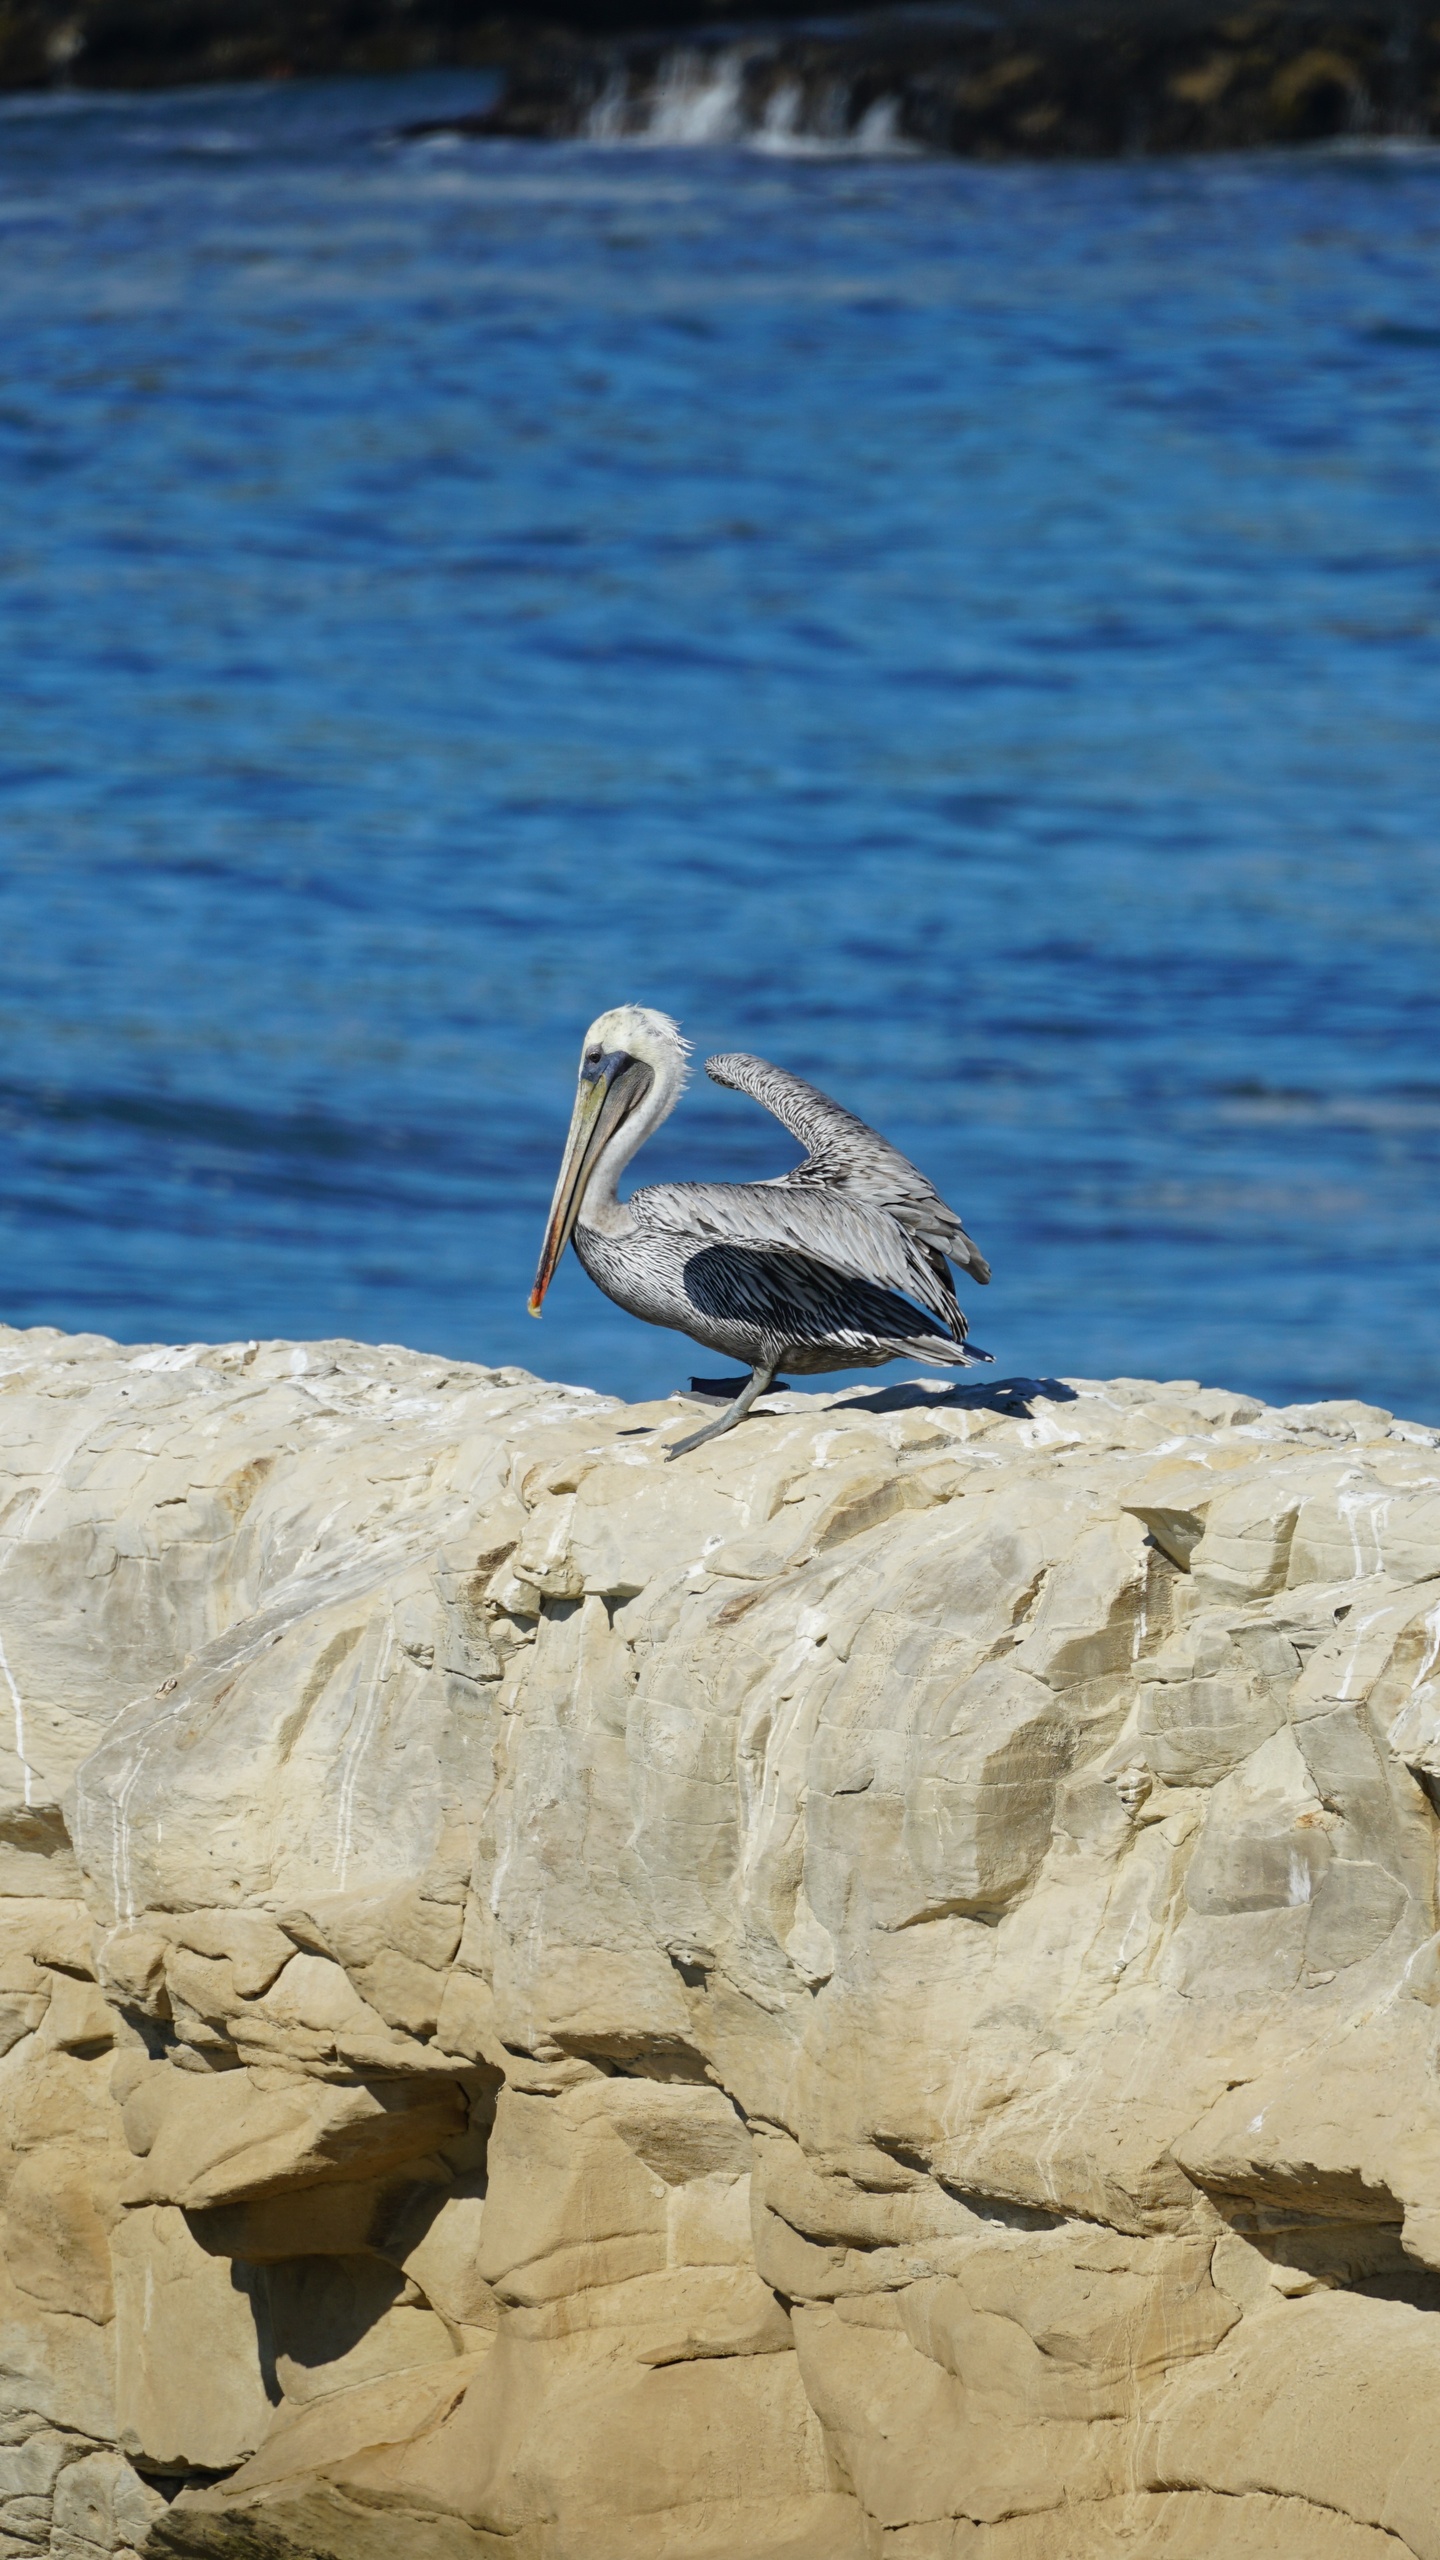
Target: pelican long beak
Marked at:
609, 1092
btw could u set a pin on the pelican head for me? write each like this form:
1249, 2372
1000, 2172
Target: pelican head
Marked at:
632, 1068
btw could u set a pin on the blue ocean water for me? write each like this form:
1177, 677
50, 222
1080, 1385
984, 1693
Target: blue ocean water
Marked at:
966, 632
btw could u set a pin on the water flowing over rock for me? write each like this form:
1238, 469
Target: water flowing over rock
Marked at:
1103, 80
988, 79
871, 1992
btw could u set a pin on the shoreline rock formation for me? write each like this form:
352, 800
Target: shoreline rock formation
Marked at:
869, 1996
1108, 80
1027, 79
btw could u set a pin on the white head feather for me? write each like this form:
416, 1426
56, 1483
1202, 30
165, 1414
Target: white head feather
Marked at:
640, 1032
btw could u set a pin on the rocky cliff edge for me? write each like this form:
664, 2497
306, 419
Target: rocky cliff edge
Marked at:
871, 1992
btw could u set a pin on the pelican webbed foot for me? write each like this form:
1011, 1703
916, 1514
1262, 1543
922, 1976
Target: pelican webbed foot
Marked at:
757, 1384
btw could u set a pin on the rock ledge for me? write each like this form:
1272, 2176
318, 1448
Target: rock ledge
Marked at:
868, 1993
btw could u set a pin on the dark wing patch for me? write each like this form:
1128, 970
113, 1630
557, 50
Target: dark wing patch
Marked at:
798, 1300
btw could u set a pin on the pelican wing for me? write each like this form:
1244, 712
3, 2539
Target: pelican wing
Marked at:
849, 1237
845, 1155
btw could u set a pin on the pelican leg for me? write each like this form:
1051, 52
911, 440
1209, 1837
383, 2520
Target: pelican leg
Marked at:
757, 1384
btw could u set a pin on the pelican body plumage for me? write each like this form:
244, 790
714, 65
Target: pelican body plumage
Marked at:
842, 1263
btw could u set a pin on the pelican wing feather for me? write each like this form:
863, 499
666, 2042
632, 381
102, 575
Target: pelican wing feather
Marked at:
851, 1163
849, 1236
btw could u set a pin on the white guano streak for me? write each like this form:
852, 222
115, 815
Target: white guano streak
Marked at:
1364, 1502
1432, 1649
1142, 1614
355, 1753
13, 1539
1362, 1629
17, 1704
1418, 1699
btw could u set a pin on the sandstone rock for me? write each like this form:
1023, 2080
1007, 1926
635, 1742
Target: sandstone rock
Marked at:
215, 2139
102, 2505
190, 2348
869, 1994
1330, 2425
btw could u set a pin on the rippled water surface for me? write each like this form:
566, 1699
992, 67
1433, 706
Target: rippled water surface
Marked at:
968, 633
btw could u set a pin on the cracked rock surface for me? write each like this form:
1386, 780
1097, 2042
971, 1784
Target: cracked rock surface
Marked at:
868, 1995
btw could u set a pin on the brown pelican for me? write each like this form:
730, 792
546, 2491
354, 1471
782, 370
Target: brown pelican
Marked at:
839, 1264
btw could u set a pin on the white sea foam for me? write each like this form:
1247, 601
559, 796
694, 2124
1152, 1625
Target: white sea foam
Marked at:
698, 101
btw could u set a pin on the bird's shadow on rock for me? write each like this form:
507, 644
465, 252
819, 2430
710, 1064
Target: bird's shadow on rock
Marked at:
1016, 1396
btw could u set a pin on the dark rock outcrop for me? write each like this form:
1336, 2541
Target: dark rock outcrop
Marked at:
1097, 78
1083, 83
